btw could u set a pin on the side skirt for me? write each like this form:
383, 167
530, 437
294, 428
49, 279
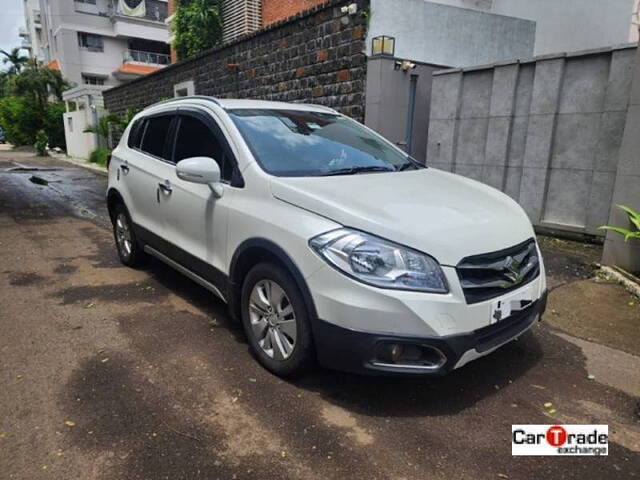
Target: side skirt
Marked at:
197, 270
185, 271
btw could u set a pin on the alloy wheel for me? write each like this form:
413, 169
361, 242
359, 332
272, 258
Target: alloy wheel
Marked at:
273, 320
123, 235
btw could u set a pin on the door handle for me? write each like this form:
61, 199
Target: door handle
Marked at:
124, 169
166, 188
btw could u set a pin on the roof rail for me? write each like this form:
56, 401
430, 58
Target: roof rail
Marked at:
315, 105
188, 97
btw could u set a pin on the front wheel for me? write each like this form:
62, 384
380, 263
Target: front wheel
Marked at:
276, 321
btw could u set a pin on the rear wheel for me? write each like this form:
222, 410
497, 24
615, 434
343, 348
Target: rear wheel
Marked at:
276, 320
129, 250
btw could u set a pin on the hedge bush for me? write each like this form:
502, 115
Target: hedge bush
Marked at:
41, 143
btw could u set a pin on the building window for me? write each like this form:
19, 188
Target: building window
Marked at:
90, 42
92, 80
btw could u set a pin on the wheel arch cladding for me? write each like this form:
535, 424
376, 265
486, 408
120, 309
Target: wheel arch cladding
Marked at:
257, 250
113, 198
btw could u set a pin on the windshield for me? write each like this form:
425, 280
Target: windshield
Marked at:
302, 143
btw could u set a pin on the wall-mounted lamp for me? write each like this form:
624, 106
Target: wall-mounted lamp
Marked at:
403, 65
383, 45
350, 9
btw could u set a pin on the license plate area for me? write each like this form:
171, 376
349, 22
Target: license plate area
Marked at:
505, 306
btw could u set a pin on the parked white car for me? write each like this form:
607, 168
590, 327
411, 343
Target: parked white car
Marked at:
328, 242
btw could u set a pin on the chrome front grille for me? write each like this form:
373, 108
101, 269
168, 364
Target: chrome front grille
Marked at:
493, 274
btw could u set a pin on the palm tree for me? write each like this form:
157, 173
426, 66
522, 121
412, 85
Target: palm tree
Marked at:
112, 121
102, 127
15, 59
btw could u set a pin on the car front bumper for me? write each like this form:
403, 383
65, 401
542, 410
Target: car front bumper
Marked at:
358, 351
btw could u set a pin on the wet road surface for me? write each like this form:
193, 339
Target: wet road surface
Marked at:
113, 373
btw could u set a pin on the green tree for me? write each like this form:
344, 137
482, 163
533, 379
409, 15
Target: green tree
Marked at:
15, 59
39, 83
197, 26
21, 119
54, 126
18, 120
25, 105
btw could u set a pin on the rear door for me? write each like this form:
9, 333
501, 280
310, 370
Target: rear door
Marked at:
147, 165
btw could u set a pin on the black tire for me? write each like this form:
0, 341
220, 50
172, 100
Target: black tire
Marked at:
134, 256
301, 358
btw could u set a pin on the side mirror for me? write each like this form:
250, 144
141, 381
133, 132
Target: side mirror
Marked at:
202, 170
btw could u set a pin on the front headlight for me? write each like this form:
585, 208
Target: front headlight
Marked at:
379, 262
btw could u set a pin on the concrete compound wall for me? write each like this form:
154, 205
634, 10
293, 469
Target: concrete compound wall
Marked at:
443, 35
79, 144
546, 131
387, 102
565, 25
316, 56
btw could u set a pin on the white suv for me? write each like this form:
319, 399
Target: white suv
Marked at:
325, 240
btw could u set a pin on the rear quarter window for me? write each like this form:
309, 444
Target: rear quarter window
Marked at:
135, 133
156, 134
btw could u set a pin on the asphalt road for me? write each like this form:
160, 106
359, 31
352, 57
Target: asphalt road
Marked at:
113, 373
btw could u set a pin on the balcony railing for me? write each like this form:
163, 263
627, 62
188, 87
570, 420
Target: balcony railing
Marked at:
146, 57
154, 10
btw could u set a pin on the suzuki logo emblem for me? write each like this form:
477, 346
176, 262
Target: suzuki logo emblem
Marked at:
513, 269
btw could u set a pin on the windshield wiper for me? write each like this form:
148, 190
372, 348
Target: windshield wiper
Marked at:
355, 170
411, 163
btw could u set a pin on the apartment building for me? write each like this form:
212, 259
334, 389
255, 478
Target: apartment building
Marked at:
103, 42
96, 44
31, 33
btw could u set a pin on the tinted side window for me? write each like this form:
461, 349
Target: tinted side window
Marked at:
156, 134
196, 139
135, 133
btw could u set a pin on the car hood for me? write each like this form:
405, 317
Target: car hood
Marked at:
445, 215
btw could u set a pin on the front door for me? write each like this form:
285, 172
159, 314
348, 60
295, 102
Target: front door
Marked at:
195, 221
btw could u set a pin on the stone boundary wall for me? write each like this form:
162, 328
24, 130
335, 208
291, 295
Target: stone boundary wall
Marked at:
547, 131
316, 56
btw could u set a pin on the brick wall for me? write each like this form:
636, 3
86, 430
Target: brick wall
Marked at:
315, 57
274, 10
171, 9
